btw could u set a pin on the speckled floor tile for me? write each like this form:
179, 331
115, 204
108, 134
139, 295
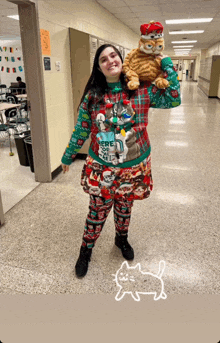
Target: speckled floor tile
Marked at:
16, 181
179, 223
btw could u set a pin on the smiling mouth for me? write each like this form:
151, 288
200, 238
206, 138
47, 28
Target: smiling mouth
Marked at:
112, 67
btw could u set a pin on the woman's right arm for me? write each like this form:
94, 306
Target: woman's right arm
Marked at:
80, 134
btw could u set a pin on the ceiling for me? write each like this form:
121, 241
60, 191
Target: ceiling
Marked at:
9, 28
133, 13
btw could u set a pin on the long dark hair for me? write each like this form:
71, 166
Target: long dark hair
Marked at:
97, 81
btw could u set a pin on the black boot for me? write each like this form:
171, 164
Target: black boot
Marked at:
83, 261
122, 243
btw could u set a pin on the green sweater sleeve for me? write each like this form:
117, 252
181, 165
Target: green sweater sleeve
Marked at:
80, 133
169, 97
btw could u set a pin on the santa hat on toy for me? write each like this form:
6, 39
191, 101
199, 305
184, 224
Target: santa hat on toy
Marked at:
153, 30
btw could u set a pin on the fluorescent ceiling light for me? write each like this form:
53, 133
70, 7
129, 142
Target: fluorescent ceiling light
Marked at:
185, 32
182, 49
184, 41
183, 46
16, 17
186, 21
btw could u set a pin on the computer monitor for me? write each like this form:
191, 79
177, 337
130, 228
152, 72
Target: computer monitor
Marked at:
14, 84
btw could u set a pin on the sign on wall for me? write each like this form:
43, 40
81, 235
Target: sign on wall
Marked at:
45, 42
47, 65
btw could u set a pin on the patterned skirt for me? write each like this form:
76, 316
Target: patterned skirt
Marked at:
132, 183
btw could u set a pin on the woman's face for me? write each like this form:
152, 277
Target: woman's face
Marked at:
110, 64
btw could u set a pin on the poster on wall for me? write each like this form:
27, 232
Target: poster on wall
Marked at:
45, 42
47, 65
11, 63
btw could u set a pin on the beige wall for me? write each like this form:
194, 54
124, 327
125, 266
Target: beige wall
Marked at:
213, 50
197, 67
56, 17
7, 78
206, 68
219, 89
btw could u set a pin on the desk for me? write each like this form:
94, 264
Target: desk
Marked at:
21, 96
6, 106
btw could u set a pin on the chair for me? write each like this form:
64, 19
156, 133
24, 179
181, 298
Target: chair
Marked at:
5, 128
17, 119
11, 98
2, 93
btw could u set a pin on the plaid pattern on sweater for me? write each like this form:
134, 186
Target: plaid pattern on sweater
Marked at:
145, 96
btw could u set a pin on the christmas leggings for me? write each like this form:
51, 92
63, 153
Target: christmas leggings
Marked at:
99, 209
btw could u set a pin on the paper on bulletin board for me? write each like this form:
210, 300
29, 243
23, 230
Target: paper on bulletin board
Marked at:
45, 42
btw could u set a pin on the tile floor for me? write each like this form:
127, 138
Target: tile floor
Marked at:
16, 181
179, 223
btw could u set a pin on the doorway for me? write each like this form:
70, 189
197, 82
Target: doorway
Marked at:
185, 68
32, 60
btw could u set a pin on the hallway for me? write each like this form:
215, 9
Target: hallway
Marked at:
179, 223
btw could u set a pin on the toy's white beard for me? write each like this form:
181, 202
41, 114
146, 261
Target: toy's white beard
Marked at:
158, 52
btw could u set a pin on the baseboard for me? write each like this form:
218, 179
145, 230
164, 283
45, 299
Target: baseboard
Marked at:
81, 156
56, 172
59, 169
2, 218
202, 90
189, 80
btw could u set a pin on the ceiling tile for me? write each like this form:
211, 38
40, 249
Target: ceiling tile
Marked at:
133, 13
147, 9
121, 10
156, 16
112, 2
139, 2
117, 9
168, 2
125, 15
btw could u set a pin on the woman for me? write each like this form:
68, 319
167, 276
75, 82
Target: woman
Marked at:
117, 170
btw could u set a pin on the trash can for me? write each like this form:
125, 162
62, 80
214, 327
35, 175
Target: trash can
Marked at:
21, 149
28, 145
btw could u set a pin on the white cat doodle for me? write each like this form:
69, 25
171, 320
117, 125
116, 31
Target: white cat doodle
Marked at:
132, 280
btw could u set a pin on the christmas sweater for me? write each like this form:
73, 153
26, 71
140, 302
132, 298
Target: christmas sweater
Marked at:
118, 125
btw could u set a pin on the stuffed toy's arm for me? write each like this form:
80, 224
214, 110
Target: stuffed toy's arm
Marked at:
80, 133
125, 66
169, 97
130, 74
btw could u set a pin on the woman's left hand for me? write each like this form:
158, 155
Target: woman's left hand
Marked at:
161, 56
65, 168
